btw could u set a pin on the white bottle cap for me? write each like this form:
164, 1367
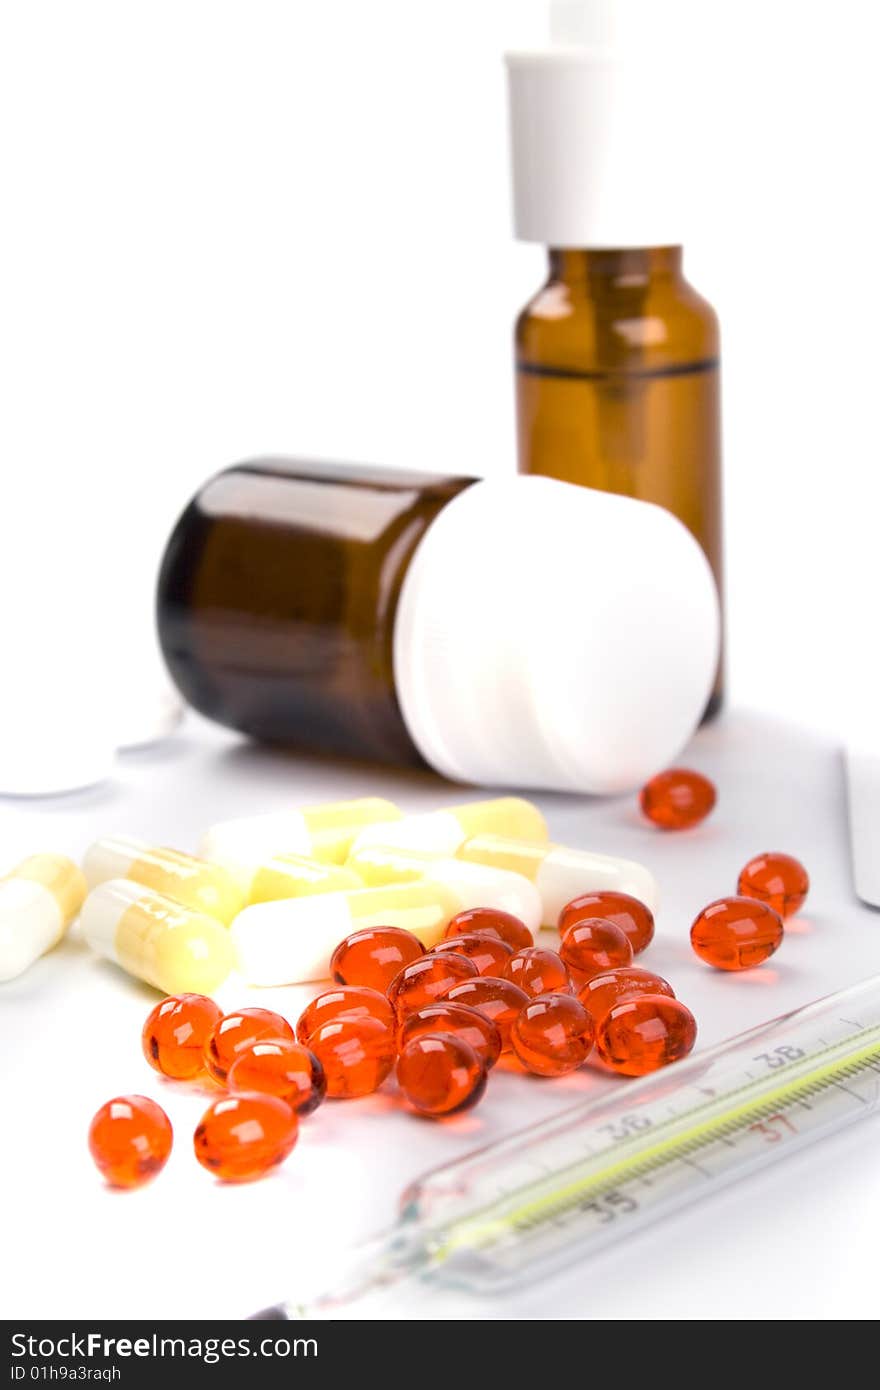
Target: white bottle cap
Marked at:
595, 127
553, 636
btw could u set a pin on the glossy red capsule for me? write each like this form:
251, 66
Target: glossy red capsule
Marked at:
489, 919
440, 1074
499, 1000
241, 1137
778, 880
552, 1035
459, 1019
602, 992
280, 1068
635, 920
374, 956
538, 971
489, 953
639, 1035
677, 799
346, 1001
591, 946
130, 1139
236, 1032
174, 1035
737, 933
427, 980
356, 1053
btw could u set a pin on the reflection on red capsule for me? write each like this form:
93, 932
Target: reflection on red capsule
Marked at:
736, 933
639, 1035
440, 1074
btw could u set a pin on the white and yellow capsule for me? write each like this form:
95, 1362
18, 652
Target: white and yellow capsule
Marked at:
38, 901
297, 876
475, 885
444, 832
283, 943
321, 832
560, 874
156, 939
195, 883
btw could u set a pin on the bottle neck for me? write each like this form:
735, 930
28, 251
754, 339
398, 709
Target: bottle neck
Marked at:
629, 268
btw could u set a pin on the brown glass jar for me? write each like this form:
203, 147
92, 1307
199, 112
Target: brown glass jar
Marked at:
277, 596
617, 361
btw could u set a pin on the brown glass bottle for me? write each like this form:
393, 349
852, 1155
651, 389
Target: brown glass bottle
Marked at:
277, 595
618, 386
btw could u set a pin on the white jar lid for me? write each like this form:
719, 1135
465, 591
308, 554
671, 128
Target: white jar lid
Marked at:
551, 636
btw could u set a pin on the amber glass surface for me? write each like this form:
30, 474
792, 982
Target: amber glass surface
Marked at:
277, 596
618, 385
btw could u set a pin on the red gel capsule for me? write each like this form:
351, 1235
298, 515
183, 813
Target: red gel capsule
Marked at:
677, 799
602, 992
347, 1001
241, 1137
591, 946
538, 971
238, 1031
356, 1053
498, 1000
130, 1139
489, 953
426, 981
642, 1034
459, 1019
493, 921
737, 933
174, 1035
374, 956
778, 880
440, 1074
279, 1067
635, 920
552, 1035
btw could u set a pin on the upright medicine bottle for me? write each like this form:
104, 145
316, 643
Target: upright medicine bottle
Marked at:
617, 356
507, 632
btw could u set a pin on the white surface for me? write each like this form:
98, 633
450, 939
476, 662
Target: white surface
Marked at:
238, 226
185, 1245
553, 636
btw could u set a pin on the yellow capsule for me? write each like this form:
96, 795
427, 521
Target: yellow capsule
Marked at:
297, 876
38, 901
475, 885
193, 882
320, 832
171, 947
444, 832
281, 943
560, 874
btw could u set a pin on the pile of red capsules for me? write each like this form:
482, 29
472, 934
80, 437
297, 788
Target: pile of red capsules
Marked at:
442, 1018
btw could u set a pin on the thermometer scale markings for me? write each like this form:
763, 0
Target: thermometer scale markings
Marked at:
848, 1062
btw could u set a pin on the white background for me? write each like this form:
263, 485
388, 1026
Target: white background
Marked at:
231, 228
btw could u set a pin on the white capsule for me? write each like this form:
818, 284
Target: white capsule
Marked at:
443, 832
560, 874
171, 947
474, 885
291, 941
321, 832
38, 902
